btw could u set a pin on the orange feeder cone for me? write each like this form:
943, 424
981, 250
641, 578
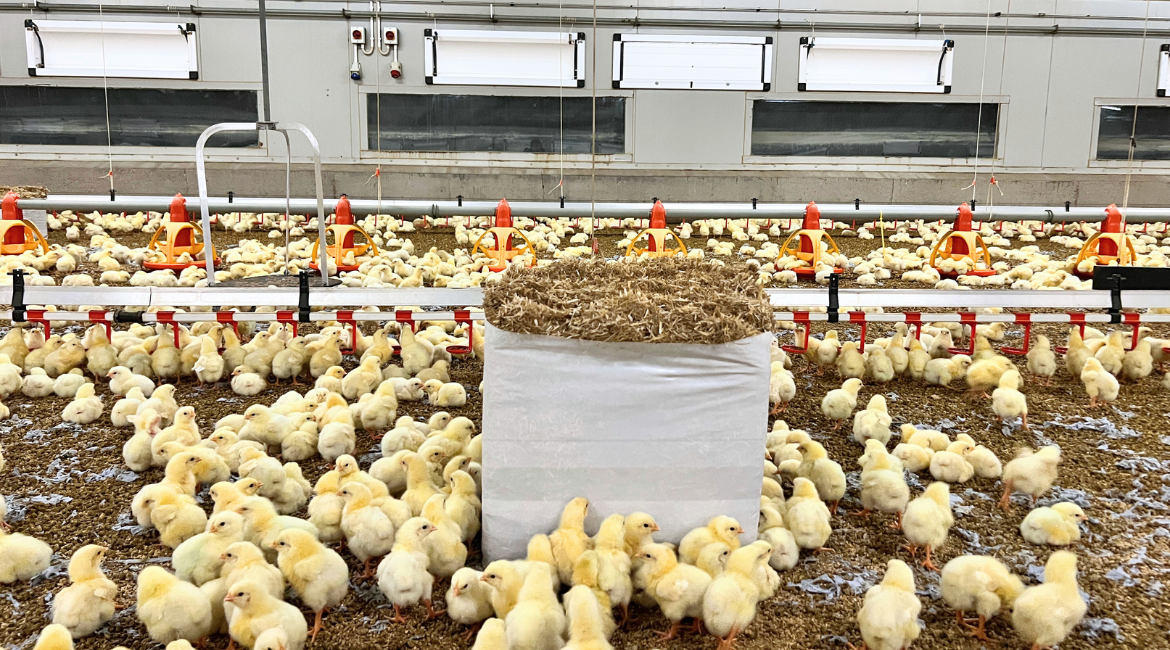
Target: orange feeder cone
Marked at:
503, 248
343, 231
1111, 246
180, 248
657, 237
963, 247
805, 244
17, 234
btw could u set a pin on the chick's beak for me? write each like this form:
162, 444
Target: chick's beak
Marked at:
456, 590
223, 556
229, 598
655, 529
213, 529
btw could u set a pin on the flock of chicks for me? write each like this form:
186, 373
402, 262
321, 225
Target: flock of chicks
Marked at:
398, 264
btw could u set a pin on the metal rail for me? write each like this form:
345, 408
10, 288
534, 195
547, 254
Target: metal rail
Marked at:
677, 212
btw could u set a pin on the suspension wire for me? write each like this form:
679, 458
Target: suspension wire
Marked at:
1136, 96
593, 137
1002, 66
106, 96
378, 110
979, 116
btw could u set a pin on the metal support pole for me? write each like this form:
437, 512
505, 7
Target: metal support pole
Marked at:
264, 63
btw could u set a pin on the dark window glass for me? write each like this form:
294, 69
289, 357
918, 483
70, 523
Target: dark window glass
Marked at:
139, 117
488, 123
1152, 136
884, 129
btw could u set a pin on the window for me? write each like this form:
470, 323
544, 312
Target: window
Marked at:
1152, 134
880, 129
489, 123
139, 117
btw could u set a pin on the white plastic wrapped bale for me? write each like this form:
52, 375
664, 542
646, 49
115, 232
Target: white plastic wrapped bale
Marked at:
673, 429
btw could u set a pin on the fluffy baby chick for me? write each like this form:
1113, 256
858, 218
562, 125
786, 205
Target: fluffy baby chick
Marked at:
807, 516
54, 637
614, 564
247, 383
1044, 615
369, 532
982, 459
209, 367
826, 474
569, 540
506, 579
1058, 525
980, 584
587, 626
585, 574
449, 395
136, 451
883, 488
850, 362
469, 600
1042, 360
463, 505
198, 560
537, 622
721, 529
170, 608
838, 404
176, 518
126, 407
85, 407
262, 424
729, 604
257, 611
1112, 355
262, 524
889, 616
781, 387
446, 552
122, 379
88, 602
402, 575
950, 465
1138, 362
913, 457
1100, 384
874, 422
785, 552
1030, 473
1007, 402
492, 636
318, 574
927, 521
677, 588
941, 372
936, 440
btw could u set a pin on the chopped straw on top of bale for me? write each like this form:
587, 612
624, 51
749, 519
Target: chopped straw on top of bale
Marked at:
663, 300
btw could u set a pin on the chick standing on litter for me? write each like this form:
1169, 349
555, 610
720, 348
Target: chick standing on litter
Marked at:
537, 622
874, 422
318, 574
980, 584
469, 600
1007, 402
677, 588
721, 529
807, 516
1046, 614
883, 488
1031, 473
614, 563
170, 608
889, 616
402, 575
257, 611
88, 602
729, 604
838, 404
1042, 360
927, 521
569, 540
1100, 384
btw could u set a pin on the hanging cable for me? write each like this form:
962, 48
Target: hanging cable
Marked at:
979, 115
593, 137
106, 96
1002, 66
1136, 97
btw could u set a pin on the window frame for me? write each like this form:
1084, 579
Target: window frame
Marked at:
1095, 128
136, 153
841, 162
579, 159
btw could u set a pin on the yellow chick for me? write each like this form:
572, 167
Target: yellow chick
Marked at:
54, 637
614, 564
198, 559
883, 488
258, 611
317, 573
122, 379
1138, 363
537, 622
1100, 384
505, 579
246, 382
1111, 356
262, 524
245, 562
1044, 615
586, 625
66, 385
838, 404
874, 422
85, 407
927, 521
209, 367
785, 552
917, 359
639, 530
361, 380
586, 574
88, 602
446, 552
419, 487
913, 457
677, 588
878, 366
569, 539
65, 358
469, 600
826, 350
980, 584
807, 516
326, 356
729, 604
463, 505
326, 507
170, 608
449, 395
1042, 360
369, 532
825, 474
21, 557
1030, 473
126, 407
402, 575
176, 518
265, 425
492, 636
721, 529
850, 362
950, 465
1058, 525
889, 616
1076, 354
936, 440
161, 401
982, 459
330, 380
941, 372
1007, 402
36, 384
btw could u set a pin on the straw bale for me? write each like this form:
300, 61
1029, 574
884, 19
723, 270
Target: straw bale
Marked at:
663, 300
25, 191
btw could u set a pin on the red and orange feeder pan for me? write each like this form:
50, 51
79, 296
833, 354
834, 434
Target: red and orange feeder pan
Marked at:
17, 234
504, 245
1110, 246
343, 230
961, 243
181, 237
658, 237
805, 244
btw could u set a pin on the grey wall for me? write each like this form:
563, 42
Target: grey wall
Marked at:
1062, 59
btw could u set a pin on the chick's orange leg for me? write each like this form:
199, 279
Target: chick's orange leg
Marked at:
316, 626
897, 525
669, 634
231, 644
1005, 501
471, 632
913, 551
927, 564
398, 617
978, 632
625, 615
861, 513
369, 571
431, 613
833, 510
